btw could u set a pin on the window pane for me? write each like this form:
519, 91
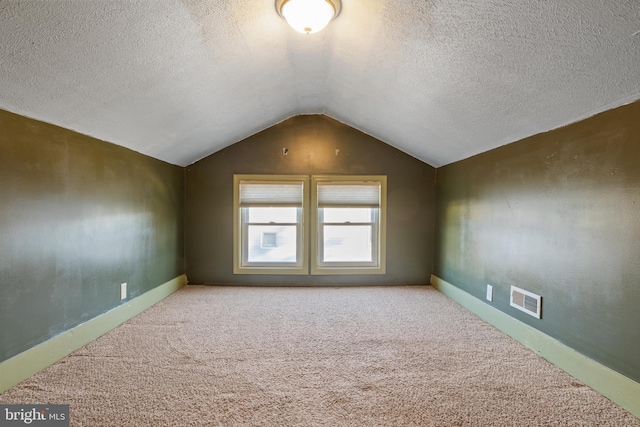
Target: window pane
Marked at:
347, 243
272, 243
347, 214
279, 215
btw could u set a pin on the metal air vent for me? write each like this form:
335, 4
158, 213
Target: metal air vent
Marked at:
526, 301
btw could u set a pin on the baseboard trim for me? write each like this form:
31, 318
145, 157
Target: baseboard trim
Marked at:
22, 366
611, 384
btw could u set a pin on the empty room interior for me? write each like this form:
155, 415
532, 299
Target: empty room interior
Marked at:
483, 153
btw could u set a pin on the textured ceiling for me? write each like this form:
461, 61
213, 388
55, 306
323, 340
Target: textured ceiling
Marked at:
439, 79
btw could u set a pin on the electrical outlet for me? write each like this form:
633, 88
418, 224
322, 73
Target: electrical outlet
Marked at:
489, 293
123, 291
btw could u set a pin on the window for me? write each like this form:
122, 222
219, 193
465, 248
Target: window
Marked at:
269, 231
277, 230
349, 218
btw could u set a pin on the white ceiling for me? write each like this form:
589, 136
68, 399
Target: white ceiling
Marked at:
439, 79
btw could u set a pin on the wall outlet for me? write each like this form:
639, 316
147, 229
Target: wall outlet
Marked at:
123, 291
489, 293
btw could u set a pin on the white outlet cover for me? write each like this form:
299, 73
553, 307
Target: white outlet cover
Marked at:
123, 291
489, 293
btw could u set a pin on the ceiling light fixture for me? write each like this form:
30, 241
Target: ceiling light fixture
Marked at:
308, 16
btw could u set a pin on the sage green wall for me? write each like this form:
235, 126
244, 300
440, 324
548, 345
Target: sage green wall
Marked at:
78, 217
557, 214
312, 142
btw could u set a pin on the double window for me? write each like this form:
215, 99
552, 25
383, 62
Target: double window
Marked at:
292, 224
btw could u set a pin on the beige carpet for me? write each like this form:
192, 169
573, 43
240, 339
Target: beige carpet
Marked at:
363, 356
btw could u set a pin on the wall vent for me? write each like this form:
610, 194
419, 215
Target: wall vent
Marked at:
526, 301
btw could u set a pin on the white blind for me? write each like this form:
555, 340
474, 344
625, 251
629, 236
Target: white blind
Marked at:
349, 193
273, 194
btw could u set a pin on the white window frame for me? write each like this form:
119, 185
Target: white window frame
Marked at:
377, 223
241, 226
310, 228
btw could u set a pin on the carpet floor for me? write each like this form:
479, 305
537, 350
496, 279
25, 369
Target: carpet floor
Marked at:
352, 356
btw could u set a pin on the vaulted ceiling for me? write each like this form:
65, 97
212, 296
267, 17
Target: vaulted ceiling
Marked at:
439, 79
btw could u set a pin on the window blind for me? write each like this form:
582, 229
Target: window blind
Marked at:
271, 194
349, 193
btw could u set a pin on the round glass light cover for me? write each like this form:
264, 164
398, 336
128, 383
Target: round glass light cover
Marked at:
308, 16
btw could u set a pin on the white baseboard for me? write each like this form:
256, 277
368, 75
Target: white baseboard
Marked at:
22, 366
611, 384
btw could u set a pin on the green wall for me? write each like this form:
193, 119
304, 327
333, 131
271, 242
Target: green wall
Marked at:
312, 142
78, 217
557, 214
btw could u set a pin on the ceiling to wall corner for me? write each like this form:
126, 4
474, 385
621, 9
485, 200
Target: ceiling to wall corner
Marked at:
441, 80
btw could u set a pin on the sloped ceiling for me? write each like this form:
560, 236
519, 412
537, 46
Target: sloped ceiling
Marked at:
439, 79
